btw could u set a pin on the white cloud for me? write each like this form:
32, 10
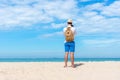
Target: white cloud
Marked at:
112, 10
95, 6
98, 24
101, 42
92, 21
21, 16
52, 34
55, 26
17, 13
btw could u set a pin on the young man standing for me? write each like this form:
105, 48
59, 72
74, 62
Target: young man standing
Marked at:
69, 43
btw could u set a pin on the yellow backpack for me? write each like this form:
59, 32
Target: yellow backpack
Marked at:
69, 36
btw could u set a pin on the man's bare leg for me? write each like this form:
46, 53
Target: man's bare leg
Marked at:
72, 59
66, 59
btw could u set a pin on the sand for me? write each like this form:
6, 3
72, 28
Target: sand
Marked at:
56, 71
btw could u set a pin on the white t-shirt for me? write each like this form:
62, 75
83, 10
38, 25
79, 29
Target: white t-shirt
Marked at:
72, 28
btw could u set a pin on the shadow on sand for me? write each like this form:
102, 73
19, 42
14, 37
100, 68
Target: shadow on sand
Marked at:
78, 64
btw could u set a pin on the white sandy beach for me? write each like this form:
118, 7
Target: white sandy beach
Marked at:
55, 71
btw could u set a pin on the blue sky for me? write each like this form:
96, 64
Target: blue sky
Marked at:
33, 28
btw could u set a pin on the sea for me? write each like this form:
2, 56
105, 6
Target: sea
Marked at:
56, 59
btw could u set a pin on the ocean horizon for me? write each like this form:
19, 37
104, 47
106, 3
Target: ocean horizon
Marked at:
56, 59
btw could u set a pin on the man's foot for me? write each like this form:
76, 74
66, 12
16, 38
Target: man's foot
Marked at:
73, 66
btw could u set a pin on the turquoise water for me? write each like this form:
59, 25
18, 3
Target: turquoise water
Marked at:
55, 59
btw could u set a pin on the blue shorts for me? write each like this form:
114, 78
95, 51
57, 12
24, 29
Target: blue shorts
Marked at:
70, 46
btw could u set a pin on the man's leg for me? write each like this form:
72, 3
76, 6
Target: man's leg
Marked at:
66, 58
72, 59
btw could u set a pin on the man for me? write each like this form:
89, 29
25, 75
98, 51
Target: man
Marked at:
69, 43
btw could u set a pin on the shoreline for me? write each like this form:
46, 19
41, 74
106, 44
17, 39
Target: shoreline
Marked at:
57, 59
52, 61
